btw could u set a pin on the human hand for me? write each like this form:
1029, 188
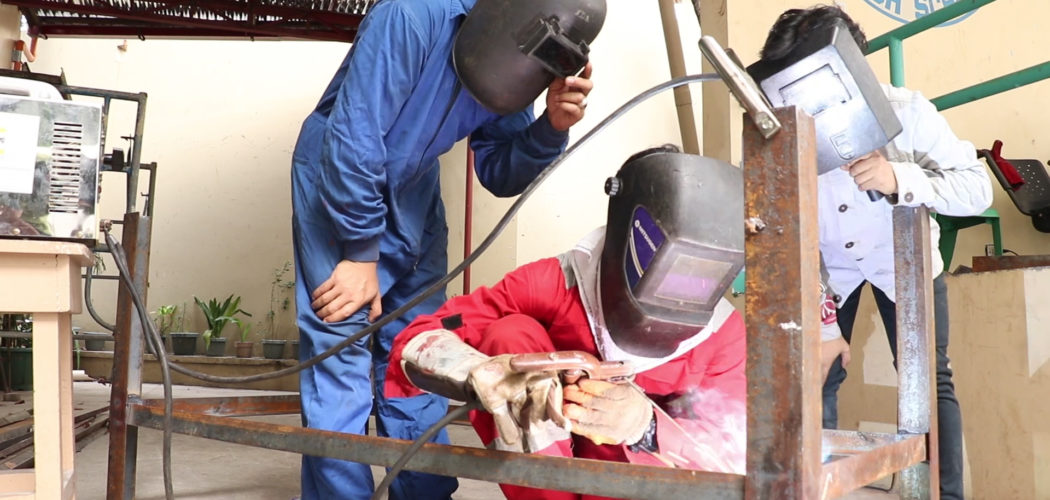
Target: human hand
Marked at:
607, 413
567, 99
873, 172
348, 289
519, 402
831, 349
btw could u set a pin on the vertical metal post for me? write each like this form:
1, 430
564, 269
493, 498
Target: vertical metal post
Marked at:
127, 363
896, 62
783, 364
917, 393
136, 154
683, 99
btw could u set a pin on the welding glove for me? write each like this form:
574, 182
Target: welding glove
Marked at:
522, 404
607, 413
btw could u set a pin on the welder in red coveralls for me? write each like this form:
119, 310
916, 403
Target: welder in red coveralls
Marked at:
648, 288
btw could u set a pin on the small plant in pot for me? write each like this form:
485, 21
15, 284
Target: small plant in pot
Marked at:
183, 343
244, 347
164, 319
218, 315
279, 302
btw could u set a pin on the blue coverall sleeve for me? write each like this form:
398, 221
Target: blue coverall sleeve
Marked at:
511, 151
389, 53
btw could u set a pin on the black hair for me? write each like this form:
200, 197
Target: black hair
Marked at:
793, 25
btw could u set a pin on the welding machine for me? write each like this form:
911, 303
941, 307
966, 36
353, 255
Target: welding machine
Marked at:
50, 154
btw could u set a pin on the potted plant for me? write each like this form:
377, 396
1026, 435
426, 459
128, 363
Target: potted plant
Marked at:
183, 343
279, 301
164, 319
244, 347
218, 315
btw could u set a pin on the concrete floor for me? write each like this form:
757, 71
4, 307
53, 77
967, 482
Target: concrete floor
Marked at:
212, 470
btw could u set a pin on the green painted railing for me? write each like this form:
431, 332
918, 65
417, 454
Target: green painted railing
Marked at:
894, 41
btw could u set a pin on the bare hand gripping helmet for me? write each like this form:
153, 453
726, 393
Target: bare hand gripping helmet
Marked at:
674, 242
508, 51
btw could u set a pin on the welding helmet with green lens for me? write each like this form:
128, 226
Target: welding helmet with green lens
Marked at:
508, 51
674, 242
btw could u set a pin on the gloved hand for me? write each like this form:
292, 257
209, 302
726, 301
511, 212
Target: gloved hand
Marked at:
607, 413
519, 402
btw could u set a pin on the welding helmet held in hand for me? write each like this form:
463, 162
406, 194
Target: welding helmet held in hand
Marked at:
827, 76
508, 51
674, 242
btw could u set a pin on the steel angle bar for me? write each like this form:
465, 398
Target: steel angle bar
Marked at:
594, 477
850, 473
839, 442
783, 340
233, 406
916, 389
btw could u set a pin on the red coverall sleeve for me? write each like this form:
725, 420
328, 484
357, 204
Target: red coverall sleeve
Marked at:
705, 428
535, 289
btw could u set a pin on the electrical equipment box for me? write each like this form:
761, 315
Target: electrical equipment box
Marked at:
50, 154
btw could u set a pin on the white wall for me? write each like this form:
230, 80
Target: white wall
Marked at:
222, 118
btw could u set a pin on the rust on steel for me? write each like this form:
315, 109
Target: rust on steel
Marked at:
780, 189
595, 477
127, 362
1005, 262
234, 405
849, 473
916, 385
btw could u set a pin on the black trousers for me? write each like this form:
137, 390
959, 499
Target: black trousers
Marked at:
949, 417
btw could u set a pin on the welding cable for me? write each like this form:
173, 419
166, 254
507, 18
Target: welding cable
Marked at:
154, 340
88, 279
150, 329
489, 240
460, 411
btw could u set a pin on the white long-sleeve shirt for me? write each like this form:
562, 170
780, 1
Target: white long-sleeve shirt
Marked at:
933, 168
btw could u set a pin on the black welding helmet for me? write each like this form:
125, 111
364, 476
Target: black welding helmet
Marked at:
827, 76
674, 242
508, 51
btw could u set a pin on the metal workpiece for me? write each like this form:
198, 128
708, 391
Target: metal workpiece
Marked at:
127, 363
888, 454
783, 347
237, 406
916, 385
595, 477
784, 456
741, 86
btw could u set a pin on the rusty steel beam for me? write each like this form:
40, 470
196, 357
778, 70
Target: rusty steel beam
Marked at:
595, 477
783, 364
242, 406
847, 474
1006, 262
916, 385
840, 442
332, 25
127, 362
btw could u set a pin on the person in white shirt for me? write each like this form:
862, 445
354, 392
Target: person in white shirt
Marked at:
926, 164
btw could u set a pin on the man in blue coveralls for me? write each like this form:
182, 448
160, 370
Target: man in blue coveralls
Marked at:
369, 224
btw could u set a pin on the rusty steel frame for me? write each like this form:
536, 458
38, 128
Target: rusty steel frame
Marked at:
198, 18
784, 458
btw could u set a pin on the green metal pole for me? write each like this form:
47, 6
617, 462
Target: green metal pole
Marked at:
926, 22
993, 86
896, 62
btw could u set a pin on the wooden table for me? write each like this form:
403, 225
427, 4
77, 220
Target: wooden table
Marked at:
43, 278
